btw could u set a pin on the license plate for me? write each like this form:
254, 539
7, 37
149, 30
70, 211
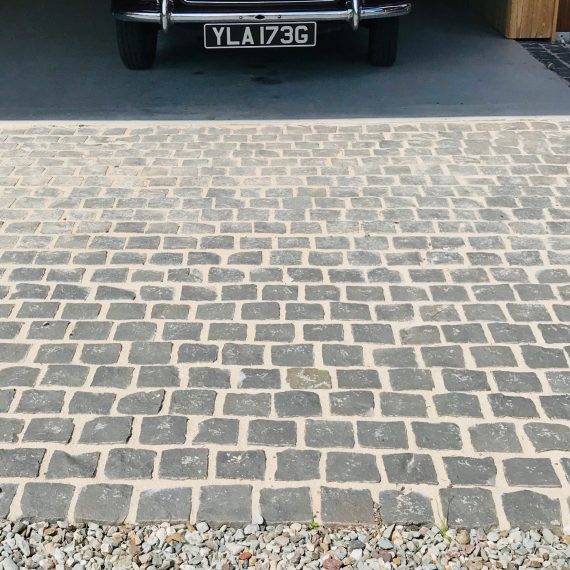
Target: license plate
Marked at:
219, 36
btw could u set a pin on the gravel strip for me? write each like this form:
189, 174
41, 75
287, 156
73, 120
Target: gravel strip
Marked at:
287, 547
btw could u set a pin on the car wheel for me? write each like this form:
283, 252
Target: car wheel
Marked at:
383, 41
137, 44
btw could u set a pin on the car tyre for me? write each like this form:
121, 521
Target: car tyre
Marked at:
383, 41
137, 44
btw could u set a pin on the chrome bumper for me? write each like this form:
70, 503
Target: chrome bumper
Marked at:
353, 14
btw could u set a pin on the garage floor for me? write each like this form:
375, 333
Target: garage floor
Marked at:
59, 60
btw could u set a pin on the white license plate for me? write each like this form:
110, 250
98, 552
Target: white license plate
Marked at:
220, 36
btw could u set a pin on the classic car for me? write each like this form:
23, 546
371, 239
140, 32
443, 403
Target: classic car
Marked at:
255, 24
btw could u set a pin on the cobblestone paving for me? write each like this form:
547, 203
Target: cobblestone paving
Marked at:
556, 56
286, 321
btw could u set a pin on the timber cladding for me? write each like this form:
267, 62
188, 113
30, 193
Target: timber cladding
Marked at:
564, 16
521, 18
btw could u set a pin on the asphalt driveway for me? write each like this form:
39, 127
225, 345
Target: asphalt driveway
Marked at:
59, 61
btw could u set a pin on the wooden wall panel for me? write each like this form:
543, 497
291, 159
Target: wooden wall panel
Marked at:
534, 19
521, 18
564, 16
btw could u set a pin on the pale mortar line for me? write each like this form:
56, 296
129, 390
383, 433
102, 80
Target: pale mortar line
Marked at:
157, 124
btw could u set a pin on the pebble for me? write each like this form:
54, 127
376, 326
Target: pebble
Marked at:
257, 519
9, 564
202, 527
283, 547
547, 535
385, 544
356, 554
463, 537
234, 549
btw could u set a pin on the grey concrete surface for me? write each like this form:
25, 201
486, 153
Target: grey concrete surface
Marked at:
58, 61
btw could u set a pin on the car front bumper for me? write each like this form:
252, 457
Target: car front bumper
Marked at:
353, 13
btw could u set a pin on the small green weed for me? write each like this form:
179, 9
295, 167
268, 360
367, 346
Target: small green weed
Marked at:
443, 526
